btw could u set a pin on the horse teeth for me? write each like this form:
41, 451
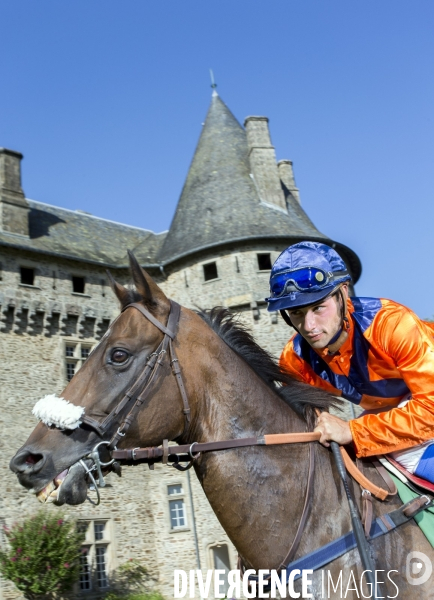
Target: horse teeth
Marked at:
41, 497
43, 494
53, 496
60, 478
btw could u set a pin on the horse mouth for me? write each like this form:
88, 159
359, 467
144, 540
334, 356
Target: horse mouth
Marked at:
50, 493
69, 487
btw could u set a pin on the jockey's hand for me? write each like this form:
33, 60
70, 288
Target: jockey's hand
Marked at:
333, 429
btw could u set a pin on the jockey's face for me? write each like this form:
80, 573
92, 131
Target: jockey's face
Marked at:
320, 322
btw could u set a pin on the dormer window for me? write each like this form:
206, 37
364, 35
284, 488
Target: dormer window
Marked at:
264, 261
210, 271
27, 276
77, 284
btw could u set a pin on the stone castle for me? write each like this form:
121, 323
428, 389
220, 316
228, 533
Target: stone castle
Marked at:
237, 211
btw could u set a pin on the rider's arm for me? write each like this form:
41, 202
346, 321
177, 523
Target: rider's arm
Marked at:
409, 343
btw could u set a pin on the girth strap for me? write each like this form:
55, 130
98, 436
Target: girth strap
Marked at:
322, 556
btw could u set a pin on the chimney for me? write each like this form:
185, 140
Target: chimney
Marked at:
263, 162
286, 175
14, 208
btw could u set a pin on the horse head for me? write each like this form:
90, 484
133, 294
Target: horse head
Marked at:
55, 460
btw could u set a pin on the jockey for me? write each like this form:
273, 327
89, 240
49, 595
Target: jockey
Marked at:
374, 352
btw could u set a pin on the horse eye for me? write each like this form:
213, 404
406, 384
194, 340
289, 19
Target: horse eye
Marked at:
119, 356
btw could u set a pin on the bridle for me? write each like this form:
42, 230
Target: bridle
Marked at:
140, 389
136, 395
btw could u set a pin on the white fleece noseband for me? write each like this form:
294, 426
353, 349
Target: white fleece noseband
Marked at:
52, 410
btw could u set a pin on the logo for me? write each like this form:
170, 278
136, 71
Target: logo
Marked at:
418, 568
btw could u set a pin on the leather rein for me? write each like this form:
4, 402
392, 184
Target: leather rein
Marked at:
137, 394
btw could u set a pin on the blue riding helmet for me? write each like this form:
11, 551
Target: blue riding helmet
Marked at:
304, 274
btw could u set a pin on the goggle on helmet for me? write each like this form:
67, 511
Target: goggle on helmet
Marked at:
304, 274
303, 280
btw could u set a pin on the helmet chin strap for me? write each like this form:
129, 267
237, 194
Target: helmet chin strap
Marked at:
287, 320
342, 335
336, 343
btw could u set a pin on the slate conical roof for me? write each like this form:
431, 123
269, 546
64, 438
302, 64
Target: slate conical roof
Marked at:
220, 203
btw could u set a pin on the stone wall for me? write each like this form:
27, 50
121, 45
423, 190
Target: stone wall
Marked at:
240, 286
36, 321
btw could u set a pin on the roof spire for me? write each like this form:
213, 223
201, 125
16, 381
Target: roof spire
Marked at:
213, 83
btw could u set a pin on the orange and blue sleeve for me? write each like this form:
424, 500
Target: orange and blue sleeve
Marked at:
408, 341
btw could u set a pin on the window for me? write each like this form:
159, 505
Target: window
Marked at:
27, 276
99, 530
70, 371
77, 284
177, 512
101, 567
85, 351
264, 262
95, 555
85, 580
210, 271
220, 558
75, 355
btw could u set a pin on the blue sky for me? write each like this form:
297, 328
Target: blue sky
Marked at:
106, 99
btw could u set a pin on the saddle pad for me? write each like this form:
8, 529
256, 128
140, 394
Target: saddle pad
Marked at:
425, 468
422, 483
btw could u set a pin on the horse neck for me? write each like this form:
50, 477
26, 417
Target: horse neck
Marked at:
232, 401
255, 492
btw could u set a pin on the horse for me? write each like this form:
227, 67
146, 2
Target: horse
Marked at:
235, 390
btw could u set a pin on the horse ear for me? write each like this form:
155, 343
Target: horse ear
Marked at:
145, 285
122, 294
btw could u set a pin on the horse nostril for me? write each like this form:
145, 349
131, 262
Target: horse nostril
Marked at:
27, 462
33, 459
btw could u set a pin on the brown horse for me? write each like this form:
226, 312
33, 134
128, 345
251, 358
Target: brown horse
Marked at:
234, 390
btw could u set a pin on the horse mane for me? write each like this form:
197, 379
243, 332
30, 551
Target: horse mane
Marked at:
301, 397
